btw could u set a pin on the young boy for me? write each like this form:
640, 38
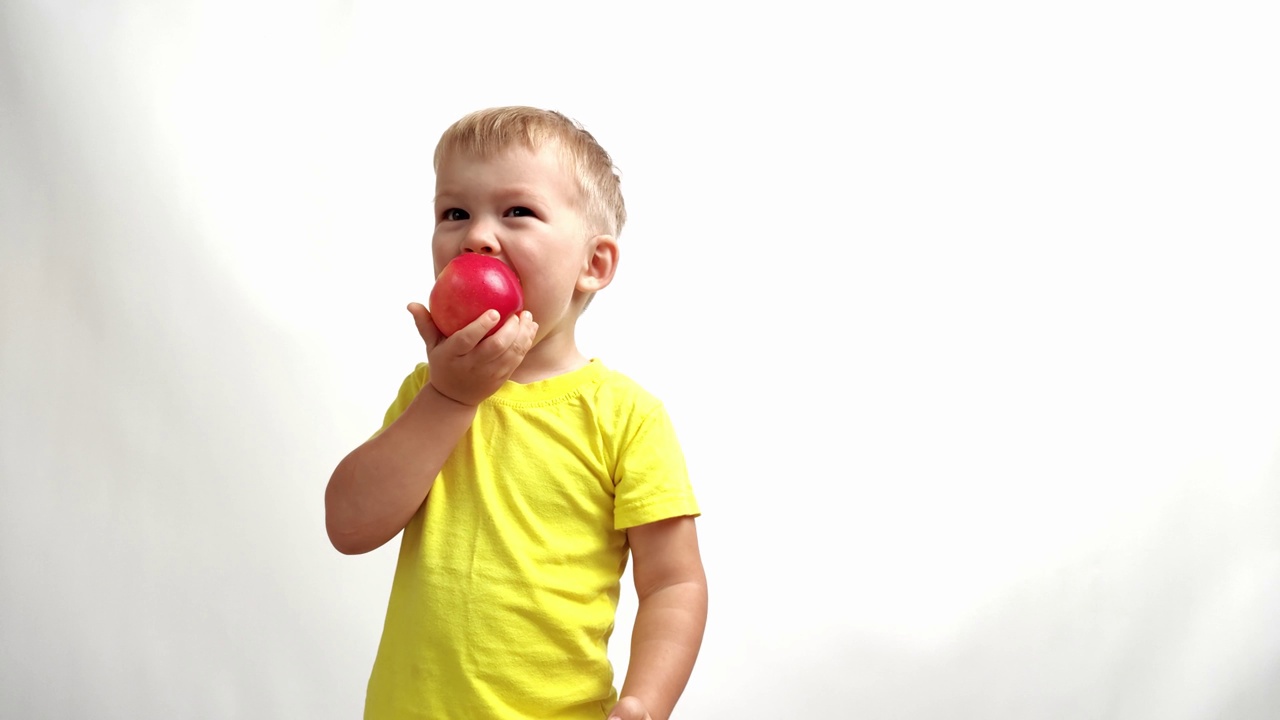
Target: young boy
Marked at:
520, 471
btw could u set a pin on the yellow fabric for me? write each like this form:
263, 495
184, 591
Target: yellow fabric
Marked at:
508, 576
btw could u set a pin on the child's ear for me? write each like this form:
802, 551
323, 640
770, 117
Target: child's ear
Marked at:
599, 265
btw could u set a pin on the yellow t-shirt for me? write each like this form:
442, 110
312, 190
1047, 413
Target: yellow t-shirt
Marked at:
507, 582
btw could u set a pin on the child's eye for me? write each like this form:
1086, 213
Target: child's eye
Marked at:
454, 214
520, 211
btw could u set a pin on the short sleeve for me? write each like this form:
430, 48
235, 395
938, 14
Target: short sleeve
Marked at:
408, 391
652, 481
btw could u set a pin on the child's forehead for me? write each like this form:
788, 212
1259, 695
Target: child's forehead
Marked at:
459, 162
515, 170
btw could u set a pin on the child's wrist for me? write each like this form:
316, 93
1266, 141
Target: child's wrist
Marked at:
437, 391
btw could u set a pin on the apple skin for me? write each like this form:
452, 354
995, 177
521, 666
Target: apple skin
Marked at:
470, 285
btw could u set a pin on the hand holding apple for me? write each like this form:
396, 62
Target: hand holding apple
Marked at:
470, 285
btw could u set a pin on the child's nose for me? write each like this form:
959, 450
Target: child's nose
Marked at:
481, 239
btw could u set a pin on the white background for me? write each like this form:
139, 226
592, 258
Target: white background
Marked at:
966, 313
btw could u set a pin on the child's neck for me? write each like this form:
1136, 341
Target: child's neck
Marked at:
553, 355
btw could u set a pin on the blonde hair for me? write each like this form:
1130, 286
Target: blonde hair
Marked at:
486, 132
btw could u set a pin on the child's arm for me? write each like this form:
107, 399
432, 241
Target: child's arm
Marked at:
672, 614
378, 487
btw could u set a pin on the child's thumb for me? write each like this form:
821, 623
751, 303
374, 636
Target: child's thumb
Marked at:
426, 327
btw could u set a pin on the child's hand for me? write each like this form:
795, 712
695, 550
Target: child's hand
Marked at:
629, 708
468, 367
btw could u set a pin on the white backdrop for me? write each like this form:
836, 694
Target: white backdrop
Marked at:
966, 312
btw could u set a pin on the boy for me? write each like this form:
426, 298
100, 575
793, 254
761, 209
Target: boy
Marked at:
520, 471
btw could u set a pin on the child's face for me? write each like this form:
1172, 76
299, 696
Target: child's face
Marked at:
521, 207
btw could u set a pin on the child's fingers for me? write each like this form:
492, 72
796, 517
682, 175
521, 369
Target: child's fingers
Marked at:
426, 326
521, 331
507, 339
466, 339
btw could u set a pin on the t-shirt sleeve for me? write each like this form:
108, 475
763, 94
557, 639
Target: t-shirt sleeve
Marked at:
652, 481
408, 391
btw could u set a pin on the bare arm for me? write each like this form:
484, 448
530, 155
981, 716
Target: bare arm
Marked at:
672, 590
377, 488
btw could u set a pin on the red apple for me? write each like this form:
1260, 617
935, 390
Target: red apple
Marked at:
470, 285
